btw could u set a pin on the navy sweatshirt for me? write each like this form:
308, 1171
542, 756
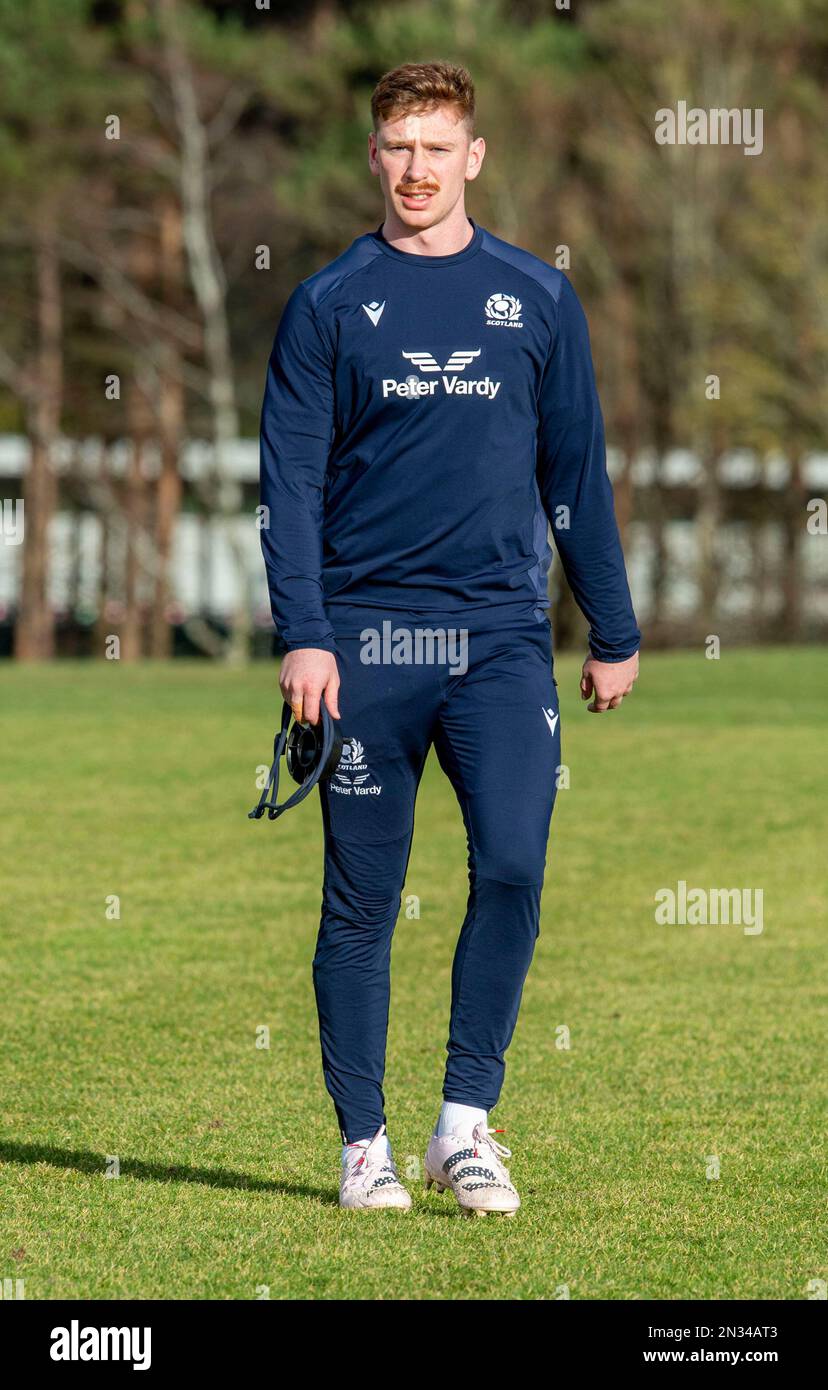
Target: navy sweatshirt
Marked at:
424, 418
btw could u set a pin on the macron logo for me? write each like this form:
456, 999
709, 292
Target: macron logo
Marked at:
551, 719
374, 311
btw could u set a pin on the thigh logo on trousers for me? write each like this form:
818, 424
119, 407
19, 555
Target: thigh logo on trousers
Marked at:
353, 775
551, 716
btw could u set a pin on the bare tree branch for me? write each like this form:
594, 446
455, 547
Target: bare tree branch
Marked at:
125, 293
226, 118
19, 382
207, 277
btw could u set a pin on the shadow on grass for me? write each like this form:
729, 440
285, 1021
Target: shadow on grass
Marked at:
86, 1161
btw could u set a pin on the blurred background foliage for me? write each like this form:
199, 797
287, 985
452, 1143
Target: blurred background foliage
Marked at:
171, 169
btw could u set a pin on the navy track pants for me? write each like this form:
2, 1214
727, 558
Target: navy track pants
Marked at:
496, 731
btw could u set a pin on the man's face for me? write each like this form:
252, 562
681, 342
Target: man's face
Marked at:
429, 154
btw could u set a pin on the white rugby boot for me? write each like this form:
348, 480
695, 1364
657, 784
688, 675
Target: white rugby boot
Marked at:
472, 1168
370, 1178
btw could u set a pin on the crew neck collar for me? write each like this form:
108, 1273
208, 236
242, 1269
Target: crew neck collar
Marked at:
411, 257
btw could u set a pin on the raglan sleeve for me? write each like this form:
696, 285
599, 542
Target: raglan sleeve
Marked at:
296, 432
575, 488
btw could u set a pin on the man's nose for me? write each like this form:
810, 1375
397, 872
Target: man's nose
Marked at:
417, 171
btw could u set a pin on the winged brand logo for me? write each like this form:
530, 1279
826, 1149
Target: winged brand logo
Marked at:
456, 363
374, 311
413, 387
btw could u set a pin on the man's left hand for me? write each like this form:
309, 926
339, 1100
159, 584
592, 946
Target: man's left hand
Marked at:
607, 682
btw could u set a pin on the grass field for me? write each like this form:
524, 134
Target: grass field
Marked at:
136, 1037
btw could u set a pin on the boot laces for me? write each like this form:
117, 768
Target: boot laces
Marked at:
371, 1157
481, 1135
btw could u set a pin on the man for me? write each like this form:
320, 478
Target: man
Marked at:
430, 409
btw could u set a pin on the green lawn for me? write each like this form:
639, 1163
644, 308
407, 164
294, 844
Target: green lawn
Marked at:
136, 1038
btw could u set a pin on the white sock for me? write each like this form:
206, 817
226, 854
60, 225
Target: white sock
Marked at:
363, 1144
459, 1119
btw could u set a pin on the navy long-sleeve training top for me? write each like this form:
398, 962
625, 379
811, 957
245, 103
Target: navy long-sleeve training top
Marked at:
424, 418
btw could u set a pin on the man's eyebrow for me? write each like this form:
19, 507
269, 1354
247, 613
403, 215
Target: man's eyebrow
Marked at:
394, 141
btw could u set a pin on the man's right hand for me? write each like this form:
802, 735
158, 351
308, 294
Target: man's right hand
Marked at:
306, 674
